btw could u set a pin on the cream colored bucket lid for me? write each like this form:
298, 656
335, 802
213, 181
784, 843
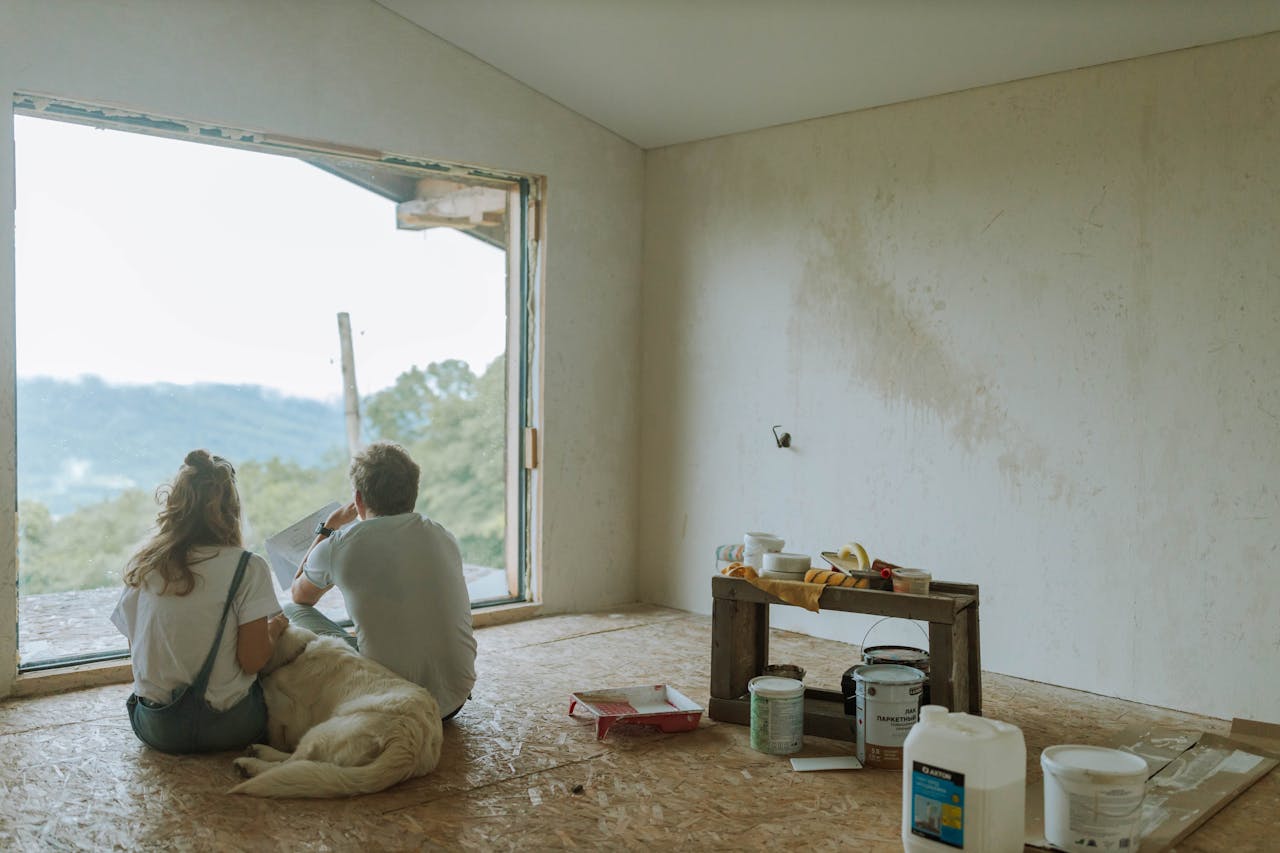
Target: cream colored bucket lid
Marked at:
1094, 764
775, 687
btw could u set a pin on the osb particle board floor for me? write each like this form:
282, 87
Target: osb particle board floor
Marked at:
72, 775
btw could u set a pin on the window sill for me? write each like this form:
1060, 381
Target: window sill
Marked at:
72, 678
120, 672
503, 614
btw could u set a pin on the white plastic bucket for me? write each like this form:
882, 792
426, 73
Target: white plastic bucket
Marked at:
1092, 797
777, 714
887, 705
756, 545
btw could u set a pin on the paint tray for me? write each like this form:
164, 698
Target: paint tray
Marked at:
660, 705
866, 579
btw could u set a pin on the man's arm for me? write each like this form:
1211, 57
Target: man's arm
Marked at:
303, 590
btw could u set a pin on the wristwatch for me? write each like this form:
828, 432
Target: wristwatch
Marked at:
321, 530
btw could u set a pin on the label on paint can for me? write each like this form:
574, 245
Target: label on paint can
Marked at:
777, 715
887, 705
937, 804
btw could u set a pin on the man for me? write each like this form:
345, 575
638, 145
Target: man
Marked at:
401, 577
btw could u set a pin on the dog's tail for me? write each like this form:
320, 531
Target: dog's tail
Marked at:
303, 778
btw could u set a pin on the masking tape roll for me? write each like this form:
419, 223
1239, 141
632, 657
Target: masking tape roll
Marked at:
796, 564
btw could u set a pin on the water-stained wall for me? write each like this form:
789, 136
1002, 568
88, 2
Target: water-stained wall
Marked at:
1026, 336
354, 73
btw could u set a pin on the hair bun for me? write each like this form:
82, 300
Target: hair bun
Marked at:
199, 459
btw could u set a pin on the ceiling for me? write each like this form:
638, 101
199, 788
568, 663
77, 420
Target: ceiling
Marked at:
661, 72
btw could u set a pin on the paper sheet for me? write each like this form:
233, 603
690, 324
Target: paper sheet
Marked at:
827, 762
286, 549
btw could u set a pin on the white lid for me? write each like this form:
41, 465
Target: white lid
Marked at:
767, 539
775, 687
1093, 763
888, 673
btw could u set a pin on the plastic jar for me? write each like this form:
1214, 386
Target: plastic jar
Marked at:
777, 714
1092, 797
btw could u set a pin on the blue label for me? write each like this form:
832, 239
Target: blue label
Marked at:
937, 804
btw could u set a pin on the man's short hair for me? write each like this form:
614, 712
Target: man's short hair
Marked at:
386, 478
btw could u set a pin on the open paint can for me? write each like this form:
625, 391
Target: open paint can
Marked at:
886, 705
777, 714
913, 581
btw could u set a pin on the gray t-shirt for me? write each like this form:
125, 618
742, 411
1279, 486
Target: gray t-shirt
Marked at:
401, 576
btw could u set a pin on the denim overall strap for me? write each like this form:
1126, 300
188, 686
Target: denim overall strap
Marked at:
202, 678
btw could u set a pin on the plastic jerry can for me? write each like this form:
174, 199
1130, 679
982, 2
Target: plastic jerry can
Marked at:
964, 784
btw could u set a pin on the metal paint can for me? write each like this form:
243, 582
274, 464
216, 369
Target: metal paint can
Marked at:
886, 705
777, 714
902, 656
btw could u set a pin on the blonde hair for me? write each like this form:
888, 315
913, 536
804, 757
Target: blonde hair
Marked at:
386, 477
201, 507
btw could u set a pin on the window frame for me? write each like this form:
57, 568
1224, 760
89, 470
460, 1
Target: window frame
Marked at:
524, 252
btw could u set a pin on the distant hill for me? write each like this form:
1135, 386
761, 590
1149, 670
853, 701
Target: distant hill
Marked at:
83, 441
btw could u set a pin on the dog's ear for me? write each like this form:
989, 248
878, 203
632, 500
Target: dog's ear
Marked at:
291, 643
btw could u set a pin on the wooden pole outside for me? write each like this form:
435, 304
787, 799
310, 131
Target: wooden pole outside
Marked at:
350, 397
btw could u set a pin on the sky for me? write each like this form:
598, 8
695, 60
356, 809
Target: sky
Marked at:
142, 259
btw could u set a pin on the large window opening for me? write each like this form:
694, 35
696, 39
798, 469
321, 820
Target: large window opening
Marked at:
172, 294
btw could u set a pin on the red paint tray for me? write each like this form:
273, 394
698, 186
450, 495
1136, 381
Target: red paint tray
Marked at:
660, 705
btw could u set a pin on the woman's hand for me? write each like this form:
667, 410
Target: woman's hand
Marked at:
275, 626
342, 516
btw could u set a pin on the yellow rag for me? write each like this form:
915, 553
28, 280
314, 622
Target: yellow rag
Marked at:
804, 595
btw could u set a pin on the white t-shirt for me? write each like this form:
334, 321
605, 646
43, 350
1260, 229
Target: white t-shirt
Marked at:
401, 576
170, 635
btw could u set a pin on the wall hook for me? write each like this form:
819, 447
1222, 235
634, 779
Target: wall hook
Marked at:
783, 440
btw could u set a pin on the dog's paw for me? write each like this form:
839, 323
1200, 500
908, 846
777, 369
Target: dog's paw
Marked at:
266, 753
247, 767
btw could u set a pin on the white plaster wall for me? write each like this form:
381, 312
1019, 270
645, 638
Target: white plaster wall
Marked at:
352, 72
1026, 336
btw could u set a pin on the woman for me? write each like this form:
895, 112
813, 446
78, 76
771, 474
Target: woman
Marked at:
196, 610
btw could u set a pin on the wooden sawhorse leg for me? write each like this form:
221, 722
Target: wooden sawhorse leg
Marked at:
739, 645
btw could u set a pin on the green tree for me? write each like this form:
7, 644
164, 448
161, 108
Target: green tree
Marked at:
450, 420
454, 426
85, 549
276, 493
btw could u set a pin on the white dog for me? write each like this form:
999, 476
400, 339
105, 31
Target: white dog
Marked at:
339, 724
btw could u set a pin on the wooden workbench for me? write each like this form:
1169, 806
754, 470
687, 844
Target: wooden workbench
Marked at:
740, 647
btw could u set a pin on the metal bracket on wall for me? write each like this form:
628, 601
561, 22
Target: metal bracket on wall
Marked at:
530, 448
